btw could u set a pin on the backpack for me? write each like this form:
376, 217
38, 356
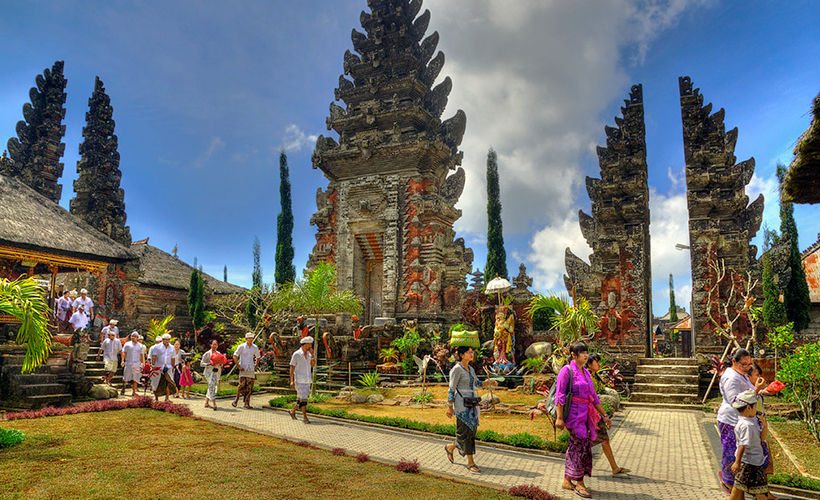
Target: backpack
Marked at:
550, 403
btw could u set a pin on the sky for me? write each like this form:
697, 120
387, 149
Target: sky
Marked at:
206, 94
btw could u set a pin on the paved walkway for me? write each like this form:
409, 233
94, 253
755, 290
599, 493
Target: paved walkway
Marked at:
668, 452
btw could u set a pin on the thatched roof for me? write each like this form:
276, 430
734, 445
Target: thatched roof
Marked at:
30, 221
162, 269
803, 179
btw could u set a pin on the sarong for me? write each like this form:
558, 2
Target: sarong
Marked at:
302, 392
579, 458
465, 438
729, 444
165, 382
212, 375
131, 373
752, 479
110, 365
245, 389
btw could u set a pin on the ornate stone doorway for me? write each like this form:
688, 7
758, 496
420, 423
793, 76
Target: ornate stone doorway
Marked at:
369, 274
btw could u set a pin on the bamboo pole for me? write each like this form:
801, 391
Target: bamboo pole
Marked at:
423, 385
349, 384
722, 359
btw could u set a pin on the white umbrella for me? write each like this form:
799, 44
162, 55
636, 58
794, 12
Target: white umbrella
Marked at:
498, 286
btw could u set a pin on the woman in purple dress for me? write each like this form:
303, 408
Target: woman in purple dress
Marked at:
585, 410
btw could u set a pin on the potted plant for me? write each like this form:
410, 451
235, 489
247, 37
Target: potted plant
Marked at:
266, 367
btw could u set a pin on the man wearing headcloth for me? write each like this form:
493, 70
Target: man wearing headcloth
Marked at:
133, 357
301, 364
162, 363
111, 326
246, 357
78, 321
64, 313
110, 349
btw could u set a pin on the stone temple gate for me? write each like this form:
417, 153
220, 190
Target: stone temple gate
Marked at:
386, 218
618, 280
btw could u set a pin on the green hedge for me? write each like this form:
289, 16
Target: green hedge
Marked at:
795, 481
521, 440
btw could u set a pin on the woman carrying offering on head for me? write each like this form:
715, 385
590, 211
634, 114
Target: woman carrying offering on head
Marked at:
585, 410
461, 401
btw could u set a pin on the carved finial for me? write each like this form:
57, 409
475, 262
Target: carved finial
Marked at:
636, 94
686, 87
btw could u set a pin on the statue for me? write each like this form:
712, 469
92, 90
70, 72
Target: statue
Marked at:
504, 339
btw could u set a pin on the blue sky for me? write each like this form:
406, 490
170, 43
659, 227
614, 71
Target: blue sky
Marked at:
205, 94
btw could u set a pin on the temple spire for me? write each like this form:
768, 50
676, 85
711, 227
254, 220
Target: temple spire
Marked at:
38, 147
99, 199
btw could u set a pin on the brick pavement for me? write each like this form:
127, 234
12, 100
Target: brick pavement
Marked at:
667, 451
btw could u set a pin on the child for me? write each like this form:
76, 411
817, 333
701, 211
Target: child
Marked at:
750, 475
186, 380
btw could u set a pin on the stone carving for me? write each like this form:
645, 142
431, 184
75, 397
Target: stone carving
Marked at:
504, 339
617, 281
388, 219
38, 147
721, 220
99, 199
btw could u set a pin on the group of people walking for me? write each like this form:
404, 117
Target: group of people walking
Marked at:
73, 312
578, 410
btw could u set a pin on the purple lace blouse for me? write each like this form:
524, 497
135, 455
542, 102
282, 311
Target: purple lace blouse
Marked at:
582, 387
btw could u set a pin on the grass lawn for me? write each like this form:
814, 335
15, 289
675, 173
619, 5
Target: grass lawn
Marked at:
503, 423
800, 443
145, 454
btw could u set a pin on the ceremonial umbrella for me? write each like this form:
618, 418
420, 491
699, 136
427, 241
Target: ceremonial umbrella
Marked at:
498, 286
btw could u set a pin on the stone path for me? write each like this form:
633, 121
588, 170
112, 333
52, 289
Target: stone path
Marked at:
667, 451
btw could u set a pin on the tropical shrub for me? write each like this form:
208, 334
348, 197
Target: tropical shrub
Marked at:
10, 437
780, 337
389, 354
425, 397
405, 466
339, 452
104, 405
362, 457
535, 365
795, 481
531, 492
24, 299
800, 372
370, 379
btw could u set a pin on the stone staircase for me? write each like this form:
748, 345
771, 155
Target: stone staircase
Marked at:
94, 369
38, 389
666, 382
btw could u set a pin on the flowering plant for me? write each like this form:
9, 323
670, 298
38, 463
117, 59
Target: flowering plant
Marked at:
267, 361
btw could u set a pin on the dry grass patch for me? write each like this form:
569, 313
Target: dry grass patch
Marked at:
800, 443
144, 454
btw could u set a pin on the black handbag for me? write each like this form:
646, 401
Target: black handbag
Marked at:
470, 401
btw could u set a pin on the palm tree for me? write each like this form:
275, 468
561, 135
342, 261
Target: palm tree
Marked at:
573, 322
317, 295
24, 299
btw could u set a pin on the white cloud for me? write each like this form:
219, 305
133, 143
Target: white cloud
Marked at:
669, 226
215, 145
294, 139
548, 247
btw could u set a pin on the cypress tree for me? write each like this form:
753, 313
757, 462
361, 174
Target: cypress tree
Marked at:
37, 149
252, 308
796, 295
225, 274
199, 307
774, 313
285, 271
673, 308
496, 255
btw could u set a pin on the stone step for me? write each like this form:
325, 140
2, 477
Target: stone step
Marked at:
643, 397
662, 406
14, 359
41, 389
33, 378
656, 378
665, 389
667, 369
37, 402
669, 361
15, 369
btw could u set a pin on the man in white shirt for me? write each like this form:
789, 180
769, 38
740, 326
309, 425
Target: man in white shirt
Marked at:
133, 357
110, 349
246, 357
111, 326
78, 322
301, 363
162, 361
86, 301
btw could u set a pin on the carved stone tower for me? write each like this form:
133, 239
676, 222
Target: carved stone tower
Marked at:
37, 150
618, 282
100, 201
386, 218
721, 220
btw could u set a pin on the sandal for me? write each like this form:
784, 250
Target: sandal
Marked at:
233, 404
620, 471
474, 469
292, 415
449, 454
248, 407
582, 492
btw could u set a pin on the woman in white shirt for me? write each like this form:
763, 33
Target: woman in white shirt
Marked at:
733, 381
212, 374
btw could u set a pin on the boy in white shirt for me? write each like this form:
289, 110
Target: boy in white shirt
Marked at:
110, 349
748, 468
